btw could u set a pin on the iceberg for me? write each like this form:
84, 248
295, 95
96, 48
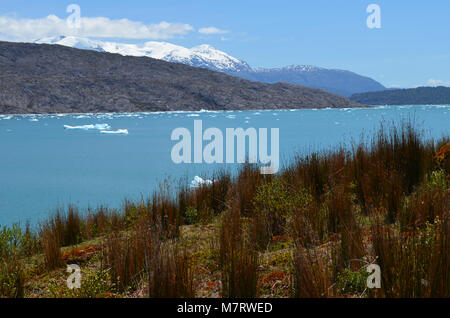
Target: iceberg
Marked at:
89, 127
115, 132
197, 182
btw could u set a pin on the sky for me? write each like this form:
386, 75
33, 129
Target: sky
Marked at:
412, 47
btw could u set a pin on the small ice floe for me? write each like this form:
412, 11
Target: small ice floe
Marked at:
193, 115
115, 132
7, 117
89, 127
197, 182
34, 119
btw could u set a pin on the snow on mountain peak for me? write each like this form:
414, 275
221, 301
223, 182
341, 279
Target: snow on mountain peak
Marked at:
72, 41
200, 56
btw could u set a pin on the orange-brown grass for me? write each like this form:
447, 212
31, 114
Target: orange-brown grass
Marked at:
124, 254
51, 244
414, 264
238, 256
170, 272
312, 277
80, 253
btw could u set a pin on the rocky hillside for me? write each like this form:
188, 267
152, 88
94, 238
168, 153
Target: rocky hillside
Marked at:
41, 78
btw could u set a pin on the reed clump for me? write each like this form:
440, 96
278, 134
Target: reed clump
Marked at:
238, 255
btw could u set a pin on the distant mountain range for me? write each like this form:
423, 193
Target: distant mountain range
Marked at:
340, 82
412, 96
57, 79
336, 81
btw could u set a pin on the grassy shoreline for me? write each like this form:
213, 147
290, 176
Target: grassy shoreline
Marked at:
309, 231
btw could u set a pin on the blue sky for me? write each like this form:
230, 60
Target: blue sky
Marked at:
412, 47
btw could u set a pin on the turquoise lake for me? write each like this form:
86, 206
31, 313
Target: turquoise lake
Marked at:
48, 161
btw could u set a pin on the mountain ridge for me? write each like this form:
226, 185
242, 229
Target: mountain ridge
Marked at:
439, 95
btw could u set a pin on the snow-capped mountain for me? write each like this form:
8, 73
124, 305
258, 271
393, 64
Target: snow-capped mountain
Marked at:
341, 82
204, 56
298, 68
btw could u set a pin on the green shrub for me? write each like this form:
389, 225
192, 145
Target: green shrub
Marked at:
11, 278
10, 241
273, 205
191, 216
93, 285
350, 282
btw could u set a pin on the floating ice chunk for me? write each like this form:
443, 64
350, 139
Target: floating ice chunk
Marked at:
193, 115
115, 132
197, 182
89, 127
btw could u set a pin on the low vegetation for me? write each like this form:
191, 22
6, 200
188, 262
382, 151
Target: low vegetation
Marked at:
310, 231
411, 96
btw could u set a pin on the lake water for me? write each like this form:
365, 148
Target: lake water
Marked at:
44, 165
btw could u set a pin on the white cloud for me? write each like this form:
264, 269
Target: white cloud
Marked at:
16, 29
437, 82
212, 30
